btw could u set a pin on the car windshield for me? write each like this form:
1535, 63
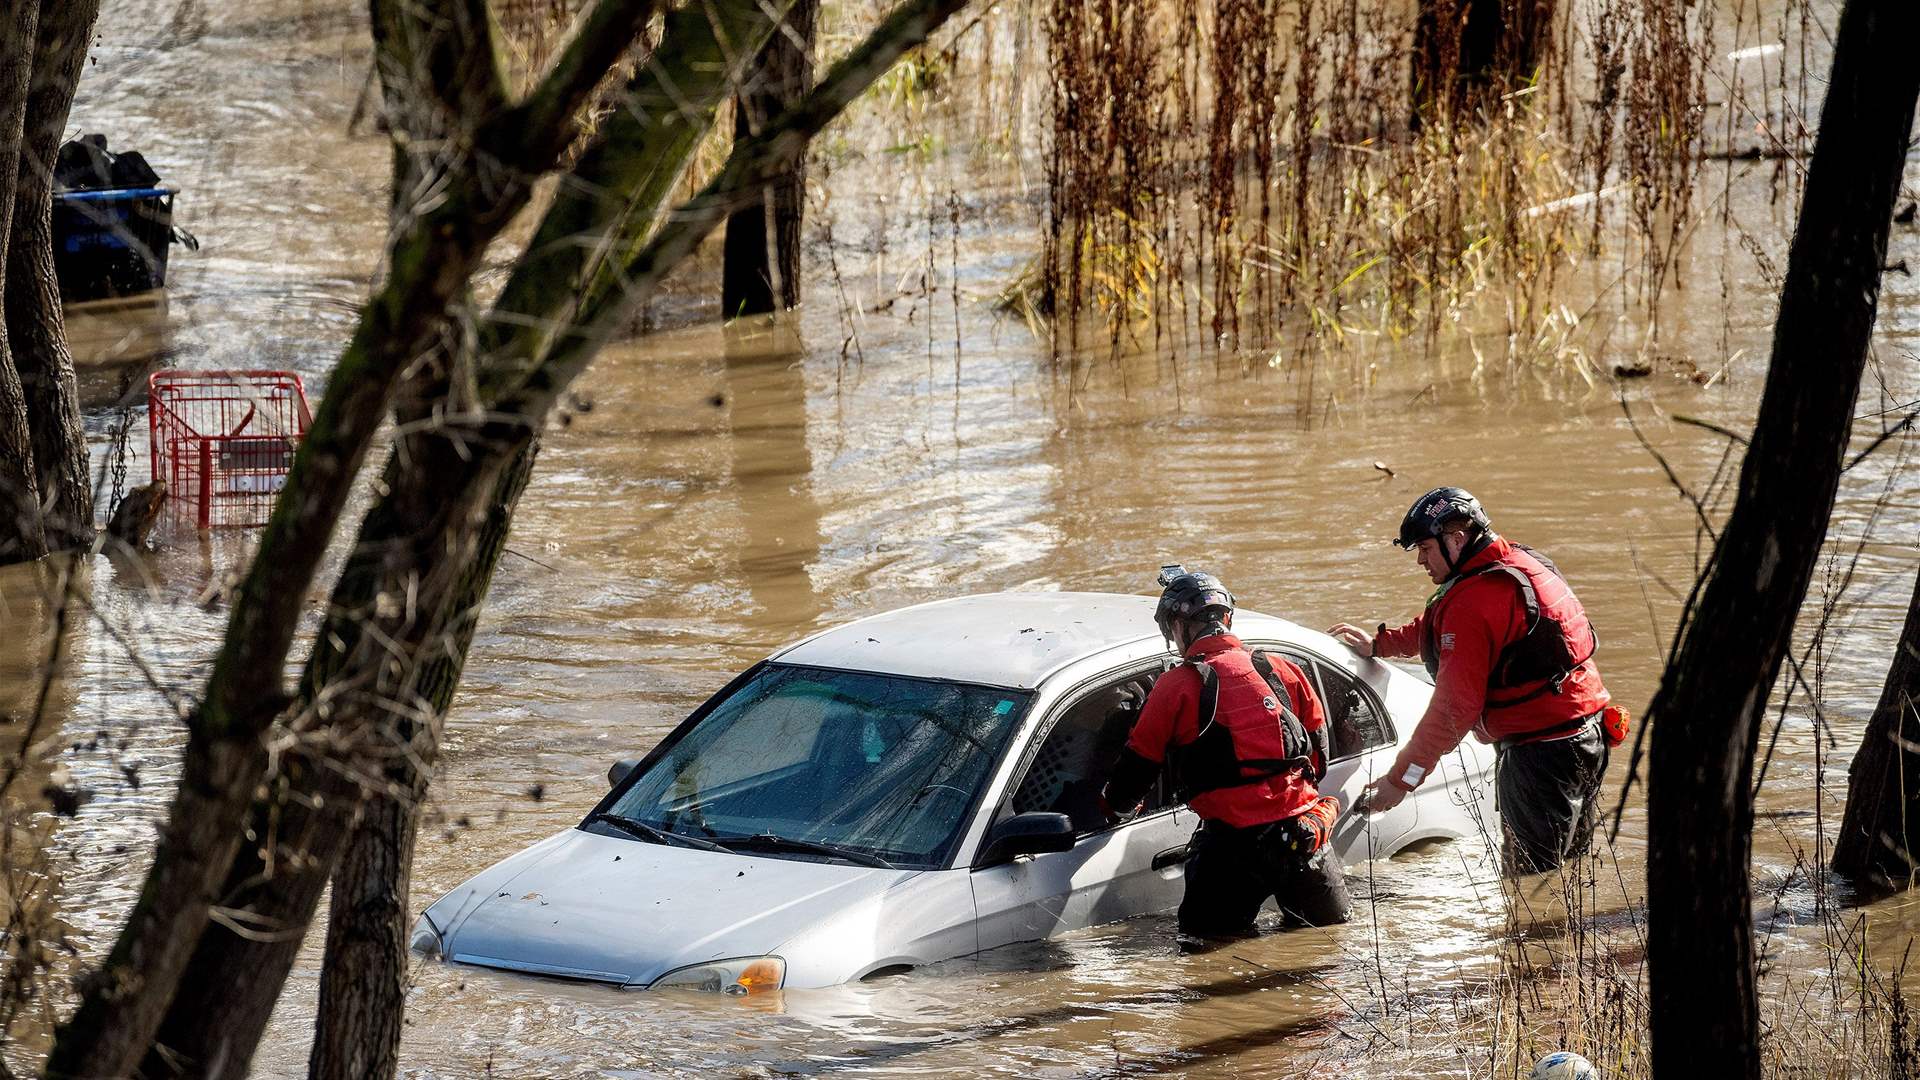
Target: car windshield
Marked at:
880, 766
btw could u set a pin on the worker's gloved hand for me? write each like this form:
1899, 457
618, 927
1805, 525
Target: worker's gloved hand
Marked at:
1294, 839
1319, 819
1307, 832
1380, 797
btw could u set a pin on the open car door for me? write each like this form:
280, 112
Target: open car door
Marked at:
1363, 747
1114, 871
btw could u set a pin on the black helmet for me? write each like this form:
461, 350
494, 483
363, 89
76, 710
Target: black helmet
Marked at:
1431, 513
1187, 595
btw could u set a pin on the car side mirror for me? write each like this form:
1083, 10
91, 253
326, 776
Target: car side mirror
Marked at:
1031, 833
620, 769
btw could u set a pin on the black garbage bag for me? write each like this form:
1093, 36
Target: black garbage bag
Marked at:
130, 170
85, 164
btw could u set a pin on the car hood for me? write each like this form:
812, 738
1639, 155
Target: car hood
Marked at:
624, 911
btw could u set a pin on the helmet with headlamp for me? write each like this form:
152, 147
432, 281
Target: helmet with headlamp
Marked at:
1188, 596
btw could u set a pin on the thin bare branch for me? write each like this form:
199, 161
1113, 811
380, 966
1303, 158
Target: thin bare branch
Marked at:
1708, 425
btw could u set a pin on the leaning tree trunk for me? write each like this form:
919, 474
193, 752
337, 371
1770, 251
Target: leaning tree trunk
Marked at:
366, 951
363, 982
210, 1028
306, 821
303, 824
22, 536
1705, 719
118, 1008
416, 540
225, 760
432, 254
1880, 830
783, 73
36, 328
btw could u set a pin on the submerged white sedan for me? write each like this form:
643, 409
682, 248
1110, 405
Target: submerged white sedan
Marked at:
908, 788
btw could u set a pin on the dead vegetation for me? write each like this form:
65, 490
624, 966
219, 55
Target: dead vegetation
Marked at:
1565, 970
1266, 180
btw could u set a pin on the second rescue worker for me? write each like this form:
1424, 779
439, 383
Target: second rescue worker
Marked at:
1511, 652
1246, 740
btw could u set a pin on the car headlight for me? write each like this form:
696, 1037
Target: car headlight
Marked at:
426, 938
741, 975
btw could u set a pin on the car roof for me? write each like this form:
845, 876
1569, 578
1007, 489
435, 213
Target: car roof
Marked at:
1009, 639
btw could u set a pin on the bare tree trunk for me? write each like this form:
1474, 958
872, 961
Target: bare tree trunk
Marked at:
787, 195
120, 1005
117, 1020
366, 963
782, 74
1881, 828
432, 256
36, 328
307, 822
228, 988
211, 1028
363, 983
22, 536
1705, 719
363, 986
746, 275
432, 252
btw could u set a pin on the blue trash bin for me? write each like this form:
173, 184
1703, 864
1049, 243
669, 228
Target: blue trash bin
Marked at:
111, 242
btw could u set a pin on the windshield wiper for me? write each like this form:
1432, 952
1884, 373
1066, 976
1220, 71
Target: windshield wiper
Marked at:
785, 843
641, 830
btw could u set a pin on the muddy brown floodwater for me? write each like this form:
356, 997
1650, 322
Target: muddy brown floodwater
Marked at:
721, 498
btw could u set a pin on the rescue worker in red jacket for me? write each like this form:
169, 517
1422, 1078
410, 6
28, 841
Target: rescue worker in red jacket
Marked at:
1511, 652
1246, 740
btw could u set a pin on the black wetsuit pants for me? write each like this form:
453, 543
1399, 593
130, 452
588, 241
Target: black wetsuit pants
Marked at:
1547, 792
1231, 872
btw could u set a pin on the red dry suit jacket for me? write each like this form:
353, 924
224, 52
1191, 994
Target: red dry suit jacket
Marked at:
1472, 620
1170, 718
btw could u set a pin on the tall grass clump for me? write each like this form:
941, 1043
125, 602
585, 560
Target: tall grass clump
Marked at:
1280, 180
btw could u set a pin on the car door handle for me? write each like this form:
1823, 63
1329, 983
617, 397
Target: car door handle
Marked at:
1173, 856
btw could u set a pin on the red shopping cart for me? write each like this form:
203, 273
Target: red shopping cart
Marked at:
224, 440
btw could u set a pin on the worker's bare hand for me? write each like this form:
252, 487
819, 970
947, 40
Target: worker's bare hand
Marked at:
1379, 797
1352, 636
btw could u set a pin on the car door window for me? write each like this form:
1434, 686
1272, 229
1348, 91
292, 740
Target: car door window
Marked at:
1073, 761
1357, 723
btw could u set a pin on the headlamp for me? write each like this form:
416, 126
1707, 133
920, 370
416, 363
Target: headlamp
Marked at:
741, 975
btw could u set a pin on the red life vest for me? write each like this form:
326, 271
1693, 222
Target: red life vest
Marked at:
1248, 730
1557, 640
